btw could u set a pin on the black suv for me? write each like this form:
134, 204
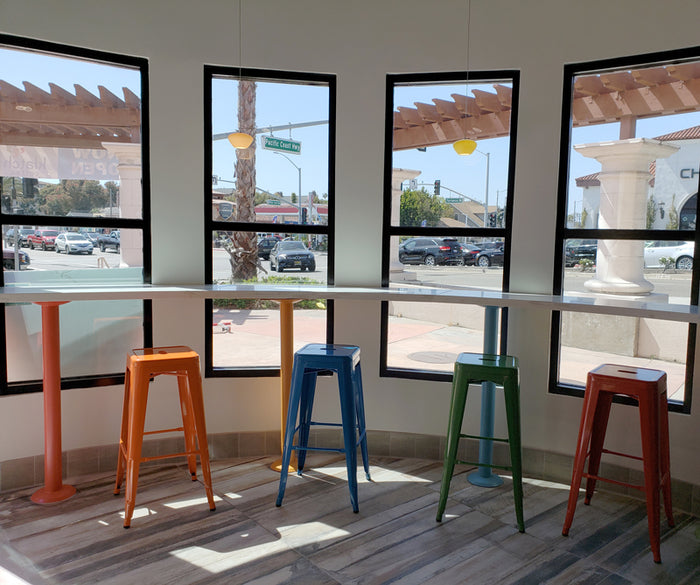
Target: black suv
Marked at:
430, 251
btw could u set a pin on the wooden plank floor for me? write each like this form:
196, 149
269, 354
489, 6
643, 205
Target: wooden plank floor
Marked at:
315, 537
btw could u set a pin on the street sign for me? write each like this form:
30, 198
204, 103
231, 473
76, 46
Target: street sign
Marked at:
280, 144
453, 200
225, 209
273, 202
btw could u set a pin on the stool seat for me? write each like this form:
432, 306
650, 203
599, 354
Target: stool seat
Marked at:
309, 361
648, 388
472, 368
142, 365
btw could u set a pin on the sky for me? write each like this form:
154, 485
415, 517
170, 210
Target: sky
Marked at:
284, 103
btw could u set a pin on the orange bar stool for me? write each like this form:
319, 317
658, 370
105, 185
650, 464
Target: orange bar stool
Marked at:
648, 388
141, 366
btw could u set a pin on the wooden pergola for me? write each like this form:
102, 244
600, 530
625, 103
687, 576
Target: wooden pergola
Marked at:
59, 118
597, 99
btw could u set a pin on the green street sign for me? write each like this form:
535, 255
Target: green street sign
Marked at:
453, 200
273, 202
280, 144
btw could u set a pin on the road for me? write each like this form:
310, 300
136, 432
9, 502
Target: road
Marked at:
676, 285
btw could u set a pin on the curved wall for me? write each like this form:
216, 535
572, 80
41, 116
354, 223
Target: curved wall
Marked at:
360, 42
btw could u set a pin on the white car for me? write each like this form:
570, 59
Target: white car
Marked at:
73, 243
680, 252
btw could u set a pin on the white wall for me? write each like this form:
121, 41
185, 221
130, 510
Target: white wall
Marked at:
360, 42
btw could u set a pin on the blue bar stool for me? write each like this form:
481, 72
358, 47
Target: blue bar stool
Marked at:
311, 359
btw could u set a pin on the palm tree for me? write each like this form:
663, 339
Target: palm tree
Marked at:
244, 252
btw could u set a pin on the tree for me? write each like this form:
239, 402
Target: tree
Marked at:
672, 215
72, 195
244, 249
419, 205
651, 211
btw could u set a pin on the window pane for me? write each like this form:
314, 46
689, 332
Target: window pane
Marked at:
662, 268
588, 340
640, 172
283, 176
281, 258
72, 255
447, 262
431, 184
71, 136
428, 337
95, 337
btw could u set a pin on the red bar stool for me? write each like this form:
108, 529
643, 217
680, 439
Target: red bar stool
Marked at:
141, 366
648, 388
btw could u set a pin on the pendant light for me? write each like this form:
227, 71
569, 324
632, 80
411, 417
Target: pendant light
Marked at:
466, 146
240, 140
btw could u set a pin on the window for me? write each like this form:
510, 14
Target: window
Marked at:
74, 203
447, 217
628, 192
268, 208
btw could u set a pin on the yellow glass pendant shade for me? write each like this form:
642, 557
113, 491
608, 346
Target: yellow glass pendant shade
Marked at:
240, 140
464, 146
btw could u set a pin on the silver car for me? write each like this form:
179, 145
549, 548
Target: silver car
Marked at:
73, 243
680, 253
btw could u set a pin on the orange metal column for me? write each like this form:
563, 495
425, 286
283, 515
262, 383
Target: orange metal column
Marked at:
286, 363
54, 490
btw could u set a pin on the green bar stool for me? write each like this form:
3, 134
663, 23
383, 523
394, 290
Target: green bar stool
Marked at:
502, 370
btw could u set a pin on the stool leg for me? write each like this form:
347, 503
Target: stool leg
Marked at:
137, 418
665, 456
512, 399
123, 443
292, 412
584, 439
347, 409
600, 427
306, 406
360, 414
649, 417
196, 400
460, 385
188, 424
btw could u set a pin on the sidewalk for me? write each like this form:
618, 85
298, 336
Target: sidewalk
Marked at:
253, 341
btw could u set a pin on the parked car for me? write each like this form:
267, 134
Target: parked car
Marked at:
22, 235
73, 243
469, 253
430, 251
265, 245
490, 254
577, 250
110, 240
680, 252
291, 254
8, 259
44, 239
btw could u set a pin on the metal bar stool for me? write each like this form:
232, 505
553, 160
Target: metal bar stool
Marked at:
308, 362
141, 366
648, 388
473, 368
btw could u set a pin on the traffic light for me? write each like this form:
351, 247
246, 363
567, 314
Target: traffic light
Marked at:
492, 219
303, 215
436, 190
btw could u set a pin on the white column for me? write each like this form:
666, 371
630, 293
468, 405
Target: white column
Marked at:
130, 197
624, 183
398, 176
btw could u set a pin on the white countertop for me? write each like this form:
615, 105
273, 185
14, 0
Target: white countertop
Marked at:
595, 304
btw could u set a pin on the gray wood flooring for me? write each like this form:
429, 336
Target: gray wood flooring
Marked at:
315, 538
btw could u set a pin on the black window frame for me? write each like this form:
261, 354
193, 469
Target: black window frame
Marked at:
143, 223
389, 230
564, 233
211, 225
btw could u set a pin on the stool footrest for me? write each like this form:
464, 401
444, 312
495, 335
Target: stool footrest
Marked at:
491, 465
169, 455
622, 454
176, 430
480, 437
616, 482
